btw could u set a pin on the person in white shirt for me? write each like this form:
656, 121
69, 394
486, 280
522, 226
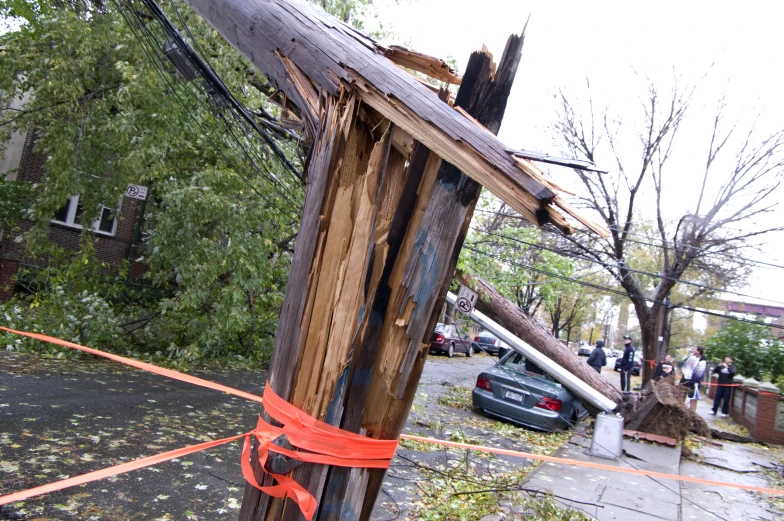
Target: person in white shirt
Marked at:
693, 371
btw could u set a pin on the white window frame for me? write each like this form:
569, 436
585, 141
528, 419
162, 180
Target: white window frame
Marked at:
71, 217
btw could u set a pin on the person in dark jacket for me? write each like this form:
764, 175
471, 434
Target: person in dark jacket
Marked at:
627, 364
664, 369
726, 371
598, 358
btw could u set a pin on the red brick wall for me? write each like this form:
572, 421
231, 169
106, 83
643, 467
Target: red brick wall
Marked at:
762, 426
109, 249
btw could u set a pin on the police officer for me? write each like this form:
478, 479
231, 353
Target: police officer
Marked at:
627, 364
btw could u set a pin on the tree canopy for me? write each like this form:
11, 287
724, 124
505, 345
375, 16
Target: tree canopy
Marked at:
108, 109
756, 353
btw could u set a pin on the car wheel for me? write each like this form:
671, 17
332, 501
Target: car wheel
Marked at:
470, 351
451, 352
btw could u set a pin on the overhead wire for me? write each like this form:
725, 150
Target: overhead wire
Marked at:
627, 268
208, 74
150, 44
622, 293
137, 29
297, 175
708, 251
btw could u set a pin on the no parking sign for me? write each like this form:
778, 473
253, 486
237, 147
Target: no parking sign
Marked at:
466, 300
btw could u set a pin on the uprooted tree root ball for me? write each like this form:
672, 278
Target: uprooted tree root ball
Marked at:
660, 409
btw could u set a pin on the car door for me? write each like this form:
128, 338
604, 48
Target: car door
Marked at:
465, 340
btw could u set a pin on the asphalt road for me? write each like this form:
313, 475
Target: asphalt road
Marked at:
64, 418
61, 418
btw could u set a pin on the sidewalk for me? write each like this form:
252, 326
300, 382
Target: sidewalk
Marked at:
730, 462
606, 495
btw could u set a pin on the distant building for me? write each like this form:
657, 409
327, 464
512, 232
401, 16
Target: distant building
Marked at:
774, 315
117, 230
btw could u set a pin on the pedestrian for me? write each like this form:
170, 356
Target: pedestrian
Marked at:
726, 371
627, 364
598, 358
664, 369
693, 371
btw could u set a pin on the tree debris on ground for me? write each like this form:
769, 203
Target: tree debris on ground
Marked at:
660, 409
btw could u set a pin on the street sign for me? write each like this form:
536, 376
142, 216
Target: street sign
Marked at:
466, 300
136, 192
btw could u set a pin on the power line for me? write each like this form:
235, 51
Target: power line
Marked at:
214, 80
707, 251
622, 293
149, 44
607, 265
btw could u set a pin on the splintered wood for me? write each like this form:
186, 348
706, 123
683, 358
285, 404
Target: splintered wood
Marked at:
393, 177
276, 34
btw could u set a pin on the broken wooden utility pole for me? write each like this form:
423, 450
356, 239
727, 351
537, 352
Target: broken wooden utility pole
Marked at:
391, 182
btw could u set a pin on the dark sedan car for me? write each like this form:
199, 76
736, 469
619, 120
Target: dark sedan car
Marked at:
520, 392
450, 339
637, 363
585, 350
490, 343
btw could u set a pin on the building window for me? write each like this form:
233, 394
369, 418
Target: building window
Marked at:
70, 214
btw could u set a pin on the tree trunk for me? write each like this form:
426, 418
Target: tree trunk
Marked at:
649, 319
502, 310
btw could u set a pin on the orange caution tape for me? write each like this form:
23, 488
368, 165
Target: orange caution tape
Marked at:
112, 471
329, 445
588, 464
169, 373
652, 363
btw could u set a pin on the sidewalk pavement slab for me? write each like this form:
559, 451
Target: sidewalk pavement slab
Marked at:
710, 502
728, 462
611, 495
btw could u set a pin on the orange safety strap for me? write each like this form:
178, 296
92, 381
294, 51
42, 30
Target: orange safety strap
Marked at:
652, 363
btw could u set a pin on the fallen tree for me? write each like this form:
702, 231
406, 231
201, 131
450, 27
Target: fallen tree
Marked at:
658, 409
511, 317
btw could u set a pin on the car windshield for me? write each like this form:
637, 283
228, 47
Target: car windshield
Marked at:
487, 334
519, 364
440, 328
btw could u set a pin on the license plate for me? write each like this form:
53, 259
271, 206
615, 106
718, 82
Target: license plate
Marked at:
511, 395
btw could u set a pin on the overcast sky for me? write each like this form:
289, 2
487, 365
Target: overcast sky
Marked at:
724, 47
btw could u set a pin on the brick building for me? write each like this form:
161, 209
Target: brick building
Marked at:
117, 230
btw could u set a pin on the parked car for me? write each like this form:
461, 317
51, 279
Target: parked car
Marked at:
450, 339
637, 362
585, 350
615, 353
489, 343
520, 392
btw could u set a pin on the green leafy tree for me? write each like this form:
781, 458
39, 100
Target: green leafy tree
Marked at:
219, 234
109, 110
503, 251
755, 351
